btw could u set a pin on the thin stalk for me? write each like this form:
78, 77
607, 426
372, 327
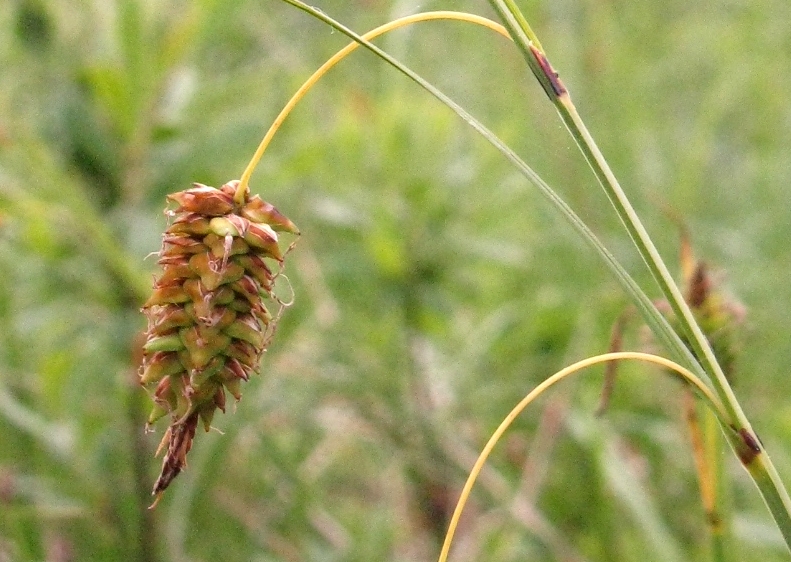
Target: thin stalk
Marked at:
711, 400
740, 433
523, 25
335, 59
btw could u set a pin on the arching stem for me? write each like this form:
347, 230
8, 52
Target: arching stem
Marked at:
702, 390
243, 187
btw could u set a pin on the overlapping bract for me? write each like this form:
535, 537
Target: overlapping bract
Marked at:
208, 325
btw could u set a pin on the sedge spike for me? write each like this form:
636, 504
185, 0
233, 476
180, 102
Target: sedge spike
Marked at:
208, 322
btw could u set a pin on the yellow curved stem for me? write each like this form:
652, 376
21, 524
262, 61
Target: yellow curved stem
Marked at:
691, 378
335, 59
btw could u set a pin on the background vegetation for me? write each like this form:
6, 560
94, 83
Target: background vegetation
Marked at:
434, 287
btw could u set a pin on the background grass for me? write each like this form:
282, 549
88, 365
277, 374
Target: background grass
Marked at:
434, 287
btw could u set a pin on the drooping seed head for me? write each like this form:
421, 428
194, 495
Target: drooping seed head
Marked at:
208, 321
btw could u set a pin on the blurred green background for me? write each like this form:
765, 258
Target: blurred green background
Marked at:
434, 287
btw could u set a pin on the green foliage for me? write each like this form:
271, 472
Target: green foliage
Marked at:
434, 288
